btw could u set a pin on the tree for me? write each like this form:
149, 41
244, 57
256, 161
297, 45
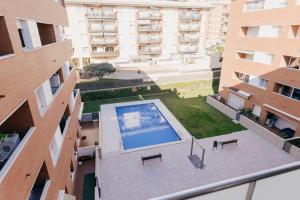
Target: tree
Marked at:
99, 70
215, 49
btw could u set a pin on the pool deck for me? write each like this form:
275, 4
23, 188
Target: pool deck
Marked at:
123, 176
111, 138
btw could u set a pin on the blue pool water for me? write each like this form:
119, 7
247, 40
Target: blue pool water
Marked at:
143, 125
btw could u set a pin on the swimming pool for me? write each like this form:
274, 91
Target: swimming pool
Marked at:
144, 125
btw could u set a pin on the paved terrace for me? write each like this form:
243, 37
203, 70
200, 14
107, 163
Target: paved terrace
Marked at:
123, 176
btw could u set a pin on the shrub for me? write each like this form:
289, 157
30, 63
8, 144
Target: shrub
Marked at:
117, 93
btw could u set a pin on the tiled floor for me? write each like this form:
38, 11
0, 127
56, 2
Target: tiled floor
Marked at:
91, 131
123, 176
86, 168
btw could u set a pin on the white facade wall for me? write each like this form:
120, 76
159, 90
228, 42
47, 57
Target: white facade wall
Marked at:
127, 32
203, 24
78, 31
169, 32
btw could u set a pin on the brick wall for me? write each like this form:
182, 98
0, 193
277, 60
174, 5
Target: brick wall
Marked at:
5, 43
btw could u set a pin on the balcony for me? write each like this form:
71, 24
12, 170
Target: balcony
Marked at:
264, 4
73, 98
287, 91
280, 126
190, 16
63, 124
109, 28
188, 38
149, 15
149, 28
111, 15
6, 46
104, 54
291, 62
256, 56
263, 31
189, 28
149, 39
41, 185
150, 50
188, 49
104, 40
294, 32
15, 132
56, 81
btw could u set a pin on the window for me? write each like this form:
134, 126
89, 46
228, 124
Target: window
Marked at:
86, 61
13, 131
109, 49
46, 32
291, 62
21, 37
256, 110
60, 33
55, 145
263, 83
296, 94
252, 80
75, 62
55, 81
71, 169
283, 89
94, 48
64, 119
5, 43
29, 34
44, 96
41, 184
242, 77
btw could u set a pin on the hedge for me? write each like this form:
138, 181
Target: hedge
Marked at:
117, 93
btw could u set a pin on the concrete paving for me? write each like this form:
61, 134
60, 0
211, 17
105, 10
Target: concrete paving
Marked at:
123, 176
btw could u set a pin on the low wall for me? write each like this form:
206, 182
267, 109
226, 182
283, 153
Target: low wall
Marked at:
295, 152
257, 128
86, 151
221, 107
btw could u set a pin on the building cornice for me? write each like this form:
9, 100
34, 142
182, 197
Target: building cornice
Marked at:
142, 3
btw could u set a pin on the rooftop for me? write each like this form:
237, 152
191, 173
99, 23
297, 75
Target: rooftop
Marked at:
123, 176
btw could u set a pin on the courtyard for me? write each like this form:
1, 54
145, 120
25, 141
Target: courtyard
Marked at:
187, 102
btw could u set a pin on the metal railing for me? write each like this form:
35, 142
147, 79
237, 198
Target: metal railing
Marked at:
202, 149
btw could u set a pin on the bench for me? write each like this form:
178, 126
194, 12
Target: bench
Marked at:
229, 142
144, 158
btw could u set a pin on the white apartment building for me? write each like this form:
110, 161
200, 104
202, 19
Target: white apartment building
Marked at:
133, 31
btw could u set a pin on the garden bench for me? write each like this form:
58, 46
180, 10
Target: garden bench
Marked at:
229, 142
155, 156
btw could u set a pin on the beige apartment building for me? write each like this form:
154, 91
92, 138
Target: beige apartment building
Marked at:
142, 31
39, 106
217, 22
261, 63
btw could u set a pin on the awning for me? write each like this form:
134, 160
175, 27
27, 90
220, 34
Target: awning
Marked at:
241, 93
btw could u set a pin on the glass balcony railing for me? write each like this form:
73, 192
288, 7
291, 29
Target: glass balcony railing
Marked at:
149, 15
264, 4
190, 16
102, 14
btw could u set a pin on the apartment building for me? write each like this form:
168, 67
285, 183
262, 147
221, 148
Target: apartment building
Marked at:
260, 70
39, 106
128, 31
217, 22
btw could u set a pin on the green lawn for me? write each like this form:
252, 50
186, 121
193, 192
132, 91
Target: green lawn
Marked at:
200, 119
